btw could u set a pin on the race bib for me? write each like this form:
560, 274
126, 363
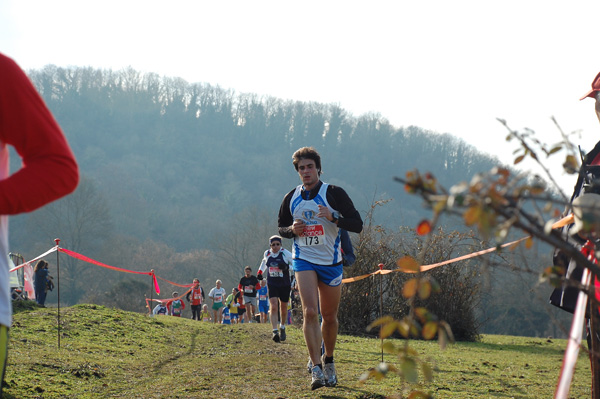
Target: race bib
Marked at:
263, 297
248, 289
218, 298
312, 235
275, 272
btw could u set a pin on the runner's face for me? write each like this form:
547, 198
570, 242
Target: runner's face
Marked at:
308, 172
275, 246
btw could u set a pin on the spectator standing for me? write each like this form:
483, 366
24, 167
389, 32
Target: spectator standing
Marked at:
40, 283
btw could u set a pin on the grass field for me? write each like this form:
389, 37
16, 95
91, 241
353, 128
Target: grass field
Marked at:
109, 353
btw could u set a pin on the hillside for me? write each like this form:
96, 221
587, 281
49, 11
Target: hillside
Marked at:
112, 353
187, 179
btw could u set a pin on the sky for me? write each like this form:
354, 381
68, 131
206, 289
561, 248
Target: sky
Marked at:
445, 66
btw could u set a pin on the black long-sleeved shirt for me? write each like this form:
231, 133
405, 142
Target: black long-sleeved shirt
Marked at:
336, 197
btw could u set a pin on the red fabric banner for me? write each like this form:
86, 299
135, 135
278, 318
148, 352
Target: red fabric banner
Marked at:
95, 262
178, 285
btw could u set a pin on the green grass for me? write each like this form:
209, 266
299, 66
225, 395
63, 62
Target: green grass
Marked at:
109, 353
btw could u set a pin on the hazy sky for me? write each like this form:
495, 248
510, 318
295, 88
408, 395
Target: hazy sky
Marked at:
447, 66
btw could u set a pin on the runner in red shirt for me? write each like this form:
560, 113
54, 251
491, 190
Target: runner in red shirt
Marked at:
195, 297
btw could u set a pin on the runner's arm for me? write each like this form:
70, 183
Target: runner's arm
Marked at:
262, 267
49, 170
349, 218
285, 218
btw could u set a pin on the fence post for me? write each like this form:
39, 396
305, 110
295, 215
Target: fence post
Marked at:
381, 302
57, 240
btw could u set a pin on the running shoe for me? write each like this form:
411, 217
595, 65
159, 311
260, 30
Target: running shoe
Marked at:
318, 379
330, 374
276, 336
282, 334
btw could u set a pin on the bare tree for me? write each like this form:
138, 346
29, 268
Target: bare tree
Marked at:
242, 243
82, 222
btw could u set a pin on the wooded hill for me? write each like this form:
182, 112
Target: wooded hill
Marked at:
187, 178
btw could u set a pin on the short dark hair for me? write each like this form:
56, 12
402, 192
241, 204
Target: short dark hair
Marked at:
307, 153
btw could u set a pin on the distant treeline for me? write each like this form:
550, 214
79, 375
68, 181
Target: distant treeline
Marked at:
187, 178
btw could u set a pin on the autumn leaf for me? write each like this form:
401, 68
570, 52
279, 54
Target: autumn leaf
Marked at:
518, 159
389, 347
410, 288
388, 329
472, 215
408, 264
555, 149
424, 228
422, 313
529, 242
429, 330
404, 327
381, 321
424, 289
409, 370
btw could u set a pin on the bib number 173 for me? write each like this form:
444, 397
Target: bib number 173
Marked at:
311, 236
310, 241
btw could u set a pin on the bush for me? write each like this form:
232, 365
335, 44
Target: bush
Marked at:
460, 287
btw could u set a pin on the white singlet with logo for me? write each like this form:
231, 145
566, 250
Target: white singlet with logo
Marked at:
320, 241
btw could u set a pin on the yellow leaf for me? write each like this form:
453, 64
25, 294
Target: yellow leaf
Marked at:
424, 289
380, 321
388, 329
529, 243
555, 149
422, 313
389, 347
409, 370
404, 328
408, 264
519, 159
429, 330
472, 215
410, 288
